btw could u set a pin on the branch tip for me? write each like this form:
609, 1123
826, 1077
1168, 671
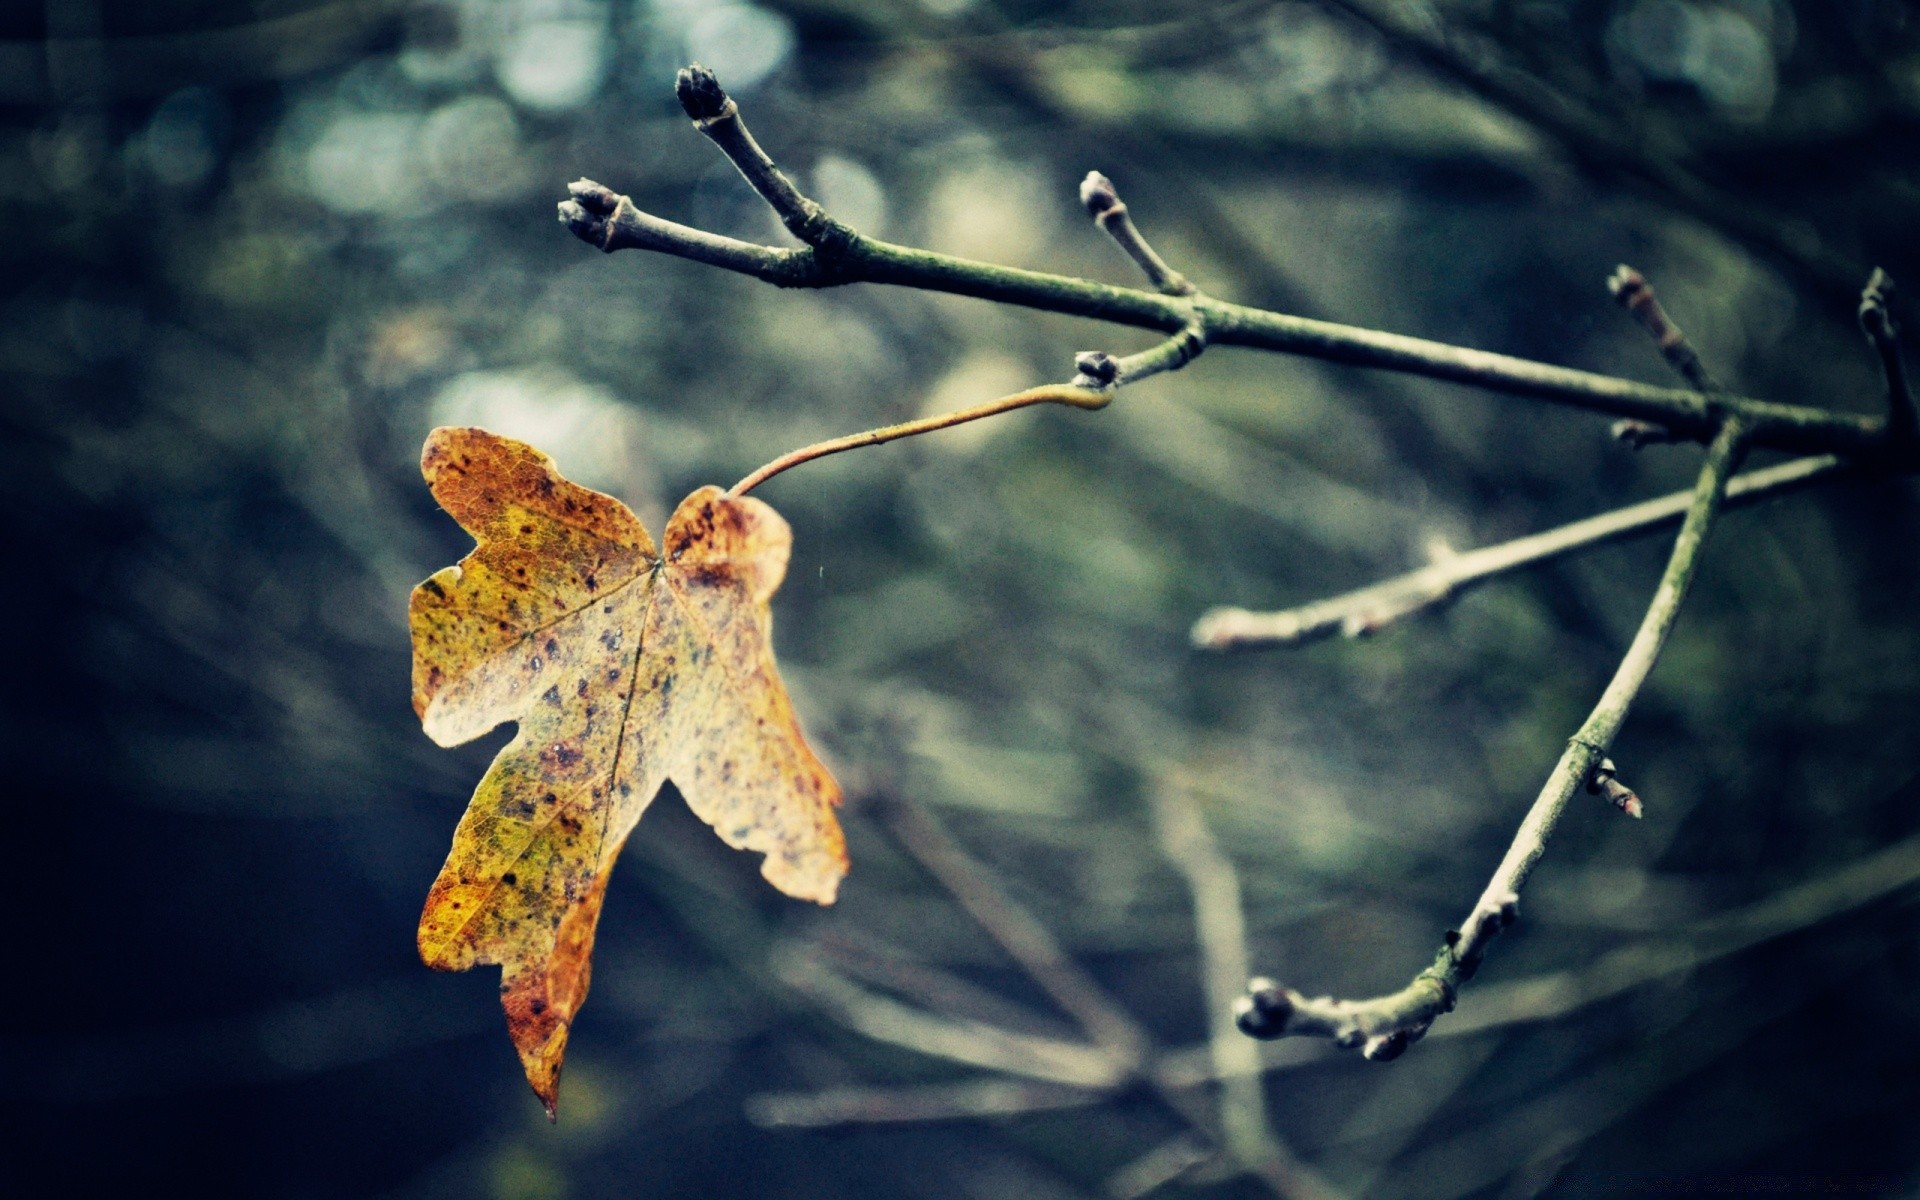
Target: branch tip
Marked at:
1635, 294
1628, 286
699, 92
1637, 435
1098, 194
1109, 212
1876, 300
1883, 332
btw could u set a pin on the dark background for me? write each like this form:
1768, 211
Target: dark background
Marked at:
253, 251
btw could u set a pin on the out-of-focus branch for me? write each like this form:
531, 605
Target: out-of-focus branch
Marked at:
839, 255
1220, 930
972, 1099
1373, 608
1876, 318
1024, 938
1385, 1025
1597, 139
1127, 1046
972, 1043
1545, 997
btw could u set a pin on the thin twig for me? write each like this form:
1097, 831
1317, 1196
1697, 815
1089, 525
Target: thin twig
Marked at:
1876, 318
610, 221
1636, 295
1110, 213
715, 114
1385, 1025
1373, 608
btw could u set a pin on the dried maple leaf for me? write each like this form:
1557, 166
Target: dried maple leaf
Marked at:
625, 667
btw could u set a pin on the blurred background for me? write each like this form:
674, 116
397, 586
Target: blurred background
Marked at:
255, 250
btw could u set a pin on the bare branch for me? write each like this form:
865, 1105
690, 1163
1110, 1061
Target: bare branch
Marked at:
1384, 1026
1110, 213
836, 255
1558, 994
1876, 318
1373, 608
1635, 295
600, 217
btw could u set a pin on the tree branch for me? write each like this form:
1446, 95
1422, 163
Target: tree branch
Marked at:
957, 1039
1370, 609
1876, 318
837, 255
1386, 1025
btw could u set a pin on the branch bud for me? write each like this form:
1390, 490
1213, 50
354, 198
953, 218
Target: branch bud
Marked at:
1636, 434
1386, 1047
1628, 286
1097, 193
1263, 1012
1097, 368
700, 92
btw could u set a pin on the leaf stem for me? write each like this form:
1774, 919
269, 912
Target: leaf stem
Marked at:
1055, 393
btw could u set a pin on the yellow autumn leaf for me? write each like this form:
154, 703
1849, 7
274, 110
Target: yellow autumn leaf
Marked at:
625, 666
